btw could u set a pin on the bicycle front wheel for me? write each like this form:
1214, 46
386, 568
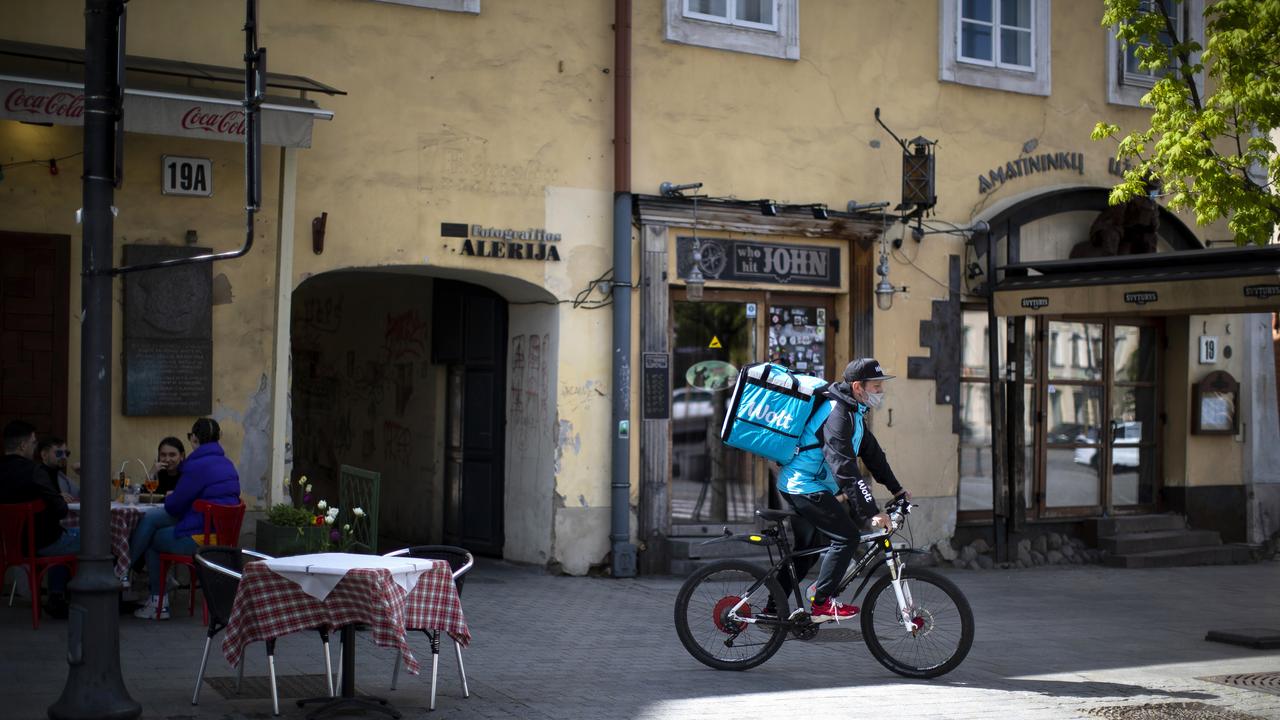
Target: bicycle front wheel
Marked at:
705, 628
942, 625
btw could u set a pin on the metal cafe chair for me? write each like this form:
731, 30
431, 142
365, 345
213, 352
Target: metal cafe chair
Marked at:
460, 561
218, 570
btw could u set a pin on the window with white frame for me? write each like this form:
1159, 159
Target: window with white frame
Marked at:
758, 14
1131, 70
759, 27
462, 6
1127, 81
997, 33
997, 44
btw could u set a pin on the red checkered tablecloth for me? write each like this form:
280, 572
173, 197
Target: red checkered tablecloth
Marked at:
269, 605
123, 521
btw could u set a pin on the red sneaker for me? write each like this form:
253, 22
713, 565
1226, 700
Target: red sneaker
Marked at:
831, 609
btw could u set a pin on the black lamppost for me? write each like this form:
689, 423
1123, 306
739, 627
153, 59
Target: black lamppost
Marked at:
95, 688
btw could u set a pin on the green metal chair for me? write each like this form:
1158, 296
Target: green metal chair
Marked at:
359, 488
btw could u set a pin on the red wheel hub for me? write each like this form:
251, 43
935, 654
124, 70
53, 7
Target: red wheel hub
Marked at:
720, 614
918, 622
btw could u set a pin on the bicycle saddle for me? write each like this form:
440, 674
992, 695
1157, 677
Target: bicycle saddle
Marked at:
775, 515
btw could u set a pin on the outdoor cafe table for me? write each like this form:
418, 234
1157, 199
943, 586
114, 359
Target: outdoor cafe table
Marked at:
338, 590
124, 518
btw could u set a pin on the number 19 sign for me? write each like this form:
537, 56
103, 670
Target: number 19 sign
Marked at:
187, 176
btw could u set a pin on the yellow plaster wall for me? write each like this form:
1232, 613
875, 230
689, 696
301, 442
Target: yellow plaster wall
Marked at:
32, 200
1214, 459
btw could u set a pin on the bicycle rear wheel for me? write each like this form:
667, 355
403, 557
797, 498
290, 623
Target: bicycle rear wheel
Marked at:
942, 618
703, 623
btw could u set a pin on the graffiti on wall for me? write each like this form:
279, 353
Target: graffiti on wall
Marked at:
528, 388
405, 336
397, 443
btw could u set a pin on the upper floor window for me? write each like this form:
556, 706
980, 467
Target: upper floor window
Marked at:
759, 27
997, 44
999, 34
1132, 72
1127, 80
757, 14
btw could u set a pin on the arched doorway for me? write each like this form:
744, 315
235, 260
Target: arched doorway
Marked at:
409, 374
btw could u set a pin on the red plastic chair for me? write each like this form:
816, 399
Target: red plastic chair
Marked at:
221, 527
18, 520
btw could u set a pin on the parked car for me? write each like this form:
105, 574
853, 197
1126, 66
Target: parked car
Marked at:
1125, 437
691, 402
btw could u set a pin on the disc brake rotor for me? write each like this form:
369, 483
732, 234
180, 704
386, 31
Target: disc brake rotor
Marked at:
720, 615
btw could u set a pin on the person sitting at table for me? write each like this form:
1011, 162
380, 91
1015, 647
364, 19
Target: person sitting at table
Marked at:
52, 453
176, 527
22, 480
169, 457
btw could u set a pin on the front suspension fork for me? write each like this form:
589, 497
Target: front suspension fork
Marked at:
906, 609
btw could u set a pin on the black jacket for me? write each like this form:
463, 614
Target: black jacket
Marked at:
21, 480
847, 438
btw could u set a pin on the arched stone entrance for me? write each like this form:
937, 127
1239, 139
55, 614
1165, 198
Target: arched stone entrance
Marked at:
438, 381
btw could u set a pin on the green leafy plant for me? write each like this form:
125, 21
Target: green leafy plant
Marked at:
306, 512
1212, 152
287, 515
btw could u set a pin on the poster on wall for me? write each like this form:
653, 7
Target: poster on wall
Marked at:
796, 340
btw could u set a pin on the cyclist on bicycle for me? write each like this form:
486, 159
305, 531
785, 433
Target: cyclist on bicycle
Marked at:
824, 475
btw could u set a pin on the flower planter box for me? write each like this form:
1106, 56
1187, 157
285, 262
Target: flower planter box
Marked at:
280, 541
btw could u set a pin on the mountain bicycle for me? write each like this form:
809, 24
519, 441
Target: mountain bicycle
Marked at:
733, 614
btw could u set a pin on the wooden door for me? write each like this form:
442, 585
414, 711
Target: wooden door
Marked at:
470, 336
34, 282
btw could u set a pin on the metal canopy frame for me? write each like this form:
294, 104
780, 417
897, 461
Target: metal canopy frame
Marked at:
164, 67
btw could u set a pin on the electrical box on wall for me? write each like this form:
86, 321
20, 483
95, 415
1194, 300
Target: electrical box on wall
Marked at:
1208, 349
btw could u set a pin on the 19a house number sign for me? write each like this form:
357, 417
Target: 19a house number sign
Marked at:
187, 176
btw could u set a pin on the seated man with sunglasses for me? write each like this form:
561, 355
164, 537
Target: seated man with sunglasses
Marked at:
53, 456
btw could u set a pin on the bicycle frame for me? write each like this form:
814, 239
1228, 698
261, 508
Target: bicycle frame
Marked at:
881, 552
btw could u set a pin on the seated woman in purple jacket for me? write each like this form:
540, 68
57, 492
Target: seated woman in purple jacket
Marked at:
206, 474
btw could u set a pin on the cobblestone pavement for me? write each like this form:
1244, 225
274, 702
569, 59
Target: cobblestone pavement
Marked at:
1070, 642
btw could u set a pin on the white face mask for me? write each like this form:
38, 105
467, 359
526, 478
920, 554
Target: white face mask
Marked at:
874, 400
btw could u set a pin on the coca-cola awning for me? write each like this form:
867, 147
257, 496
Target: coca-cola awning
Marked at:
205, 114
42, 84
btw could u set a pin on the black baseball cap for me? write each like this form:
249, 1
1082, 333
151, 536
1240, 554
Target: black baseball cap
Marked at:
865, 369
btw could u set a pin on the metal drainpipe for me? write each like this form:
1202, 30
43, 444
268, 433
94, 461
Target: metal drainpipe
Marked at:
624, 552
94, 686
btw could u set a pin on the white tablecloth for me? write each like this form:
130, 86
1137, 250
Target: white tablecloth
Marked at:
319, 573
75, 506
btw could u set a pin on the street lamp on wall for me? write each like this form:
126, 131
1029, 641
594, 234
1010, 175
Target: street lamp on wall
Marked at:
695, 282
884, 289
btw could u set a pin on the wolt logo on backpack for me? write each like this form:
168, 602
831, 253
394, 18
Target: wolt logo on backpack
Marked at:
768, 410
754, 410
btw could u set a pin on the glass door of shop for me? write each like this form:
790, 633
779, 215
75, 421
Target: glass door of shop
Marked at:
713, 485
1100, 397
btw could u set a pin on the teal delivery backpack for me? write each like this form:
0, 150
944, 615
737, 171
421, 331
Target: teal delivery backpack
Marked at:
768, 410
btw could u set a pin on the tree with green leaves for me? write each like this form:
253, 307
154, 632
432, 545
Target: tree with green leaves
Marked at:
1208, 146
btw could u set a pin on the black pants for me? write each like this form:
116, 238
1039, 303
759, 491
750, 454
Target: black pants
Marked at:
831, 518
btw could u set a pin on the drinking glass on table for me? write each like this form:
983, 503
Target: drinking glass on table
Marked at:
116, 481
151, 483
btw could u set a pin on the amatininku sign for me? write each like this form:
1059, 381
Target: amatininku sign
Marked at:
751, 261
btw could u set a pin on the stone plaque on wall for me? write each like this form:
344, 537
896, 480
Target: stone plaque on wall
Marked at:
168, 334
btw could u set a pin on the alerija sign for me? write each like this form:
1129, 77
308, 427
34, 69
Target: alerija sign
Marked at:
508, 243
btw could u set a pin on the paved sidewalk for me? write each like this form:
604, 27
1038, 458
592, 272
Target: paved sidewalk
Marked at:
1051, 643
